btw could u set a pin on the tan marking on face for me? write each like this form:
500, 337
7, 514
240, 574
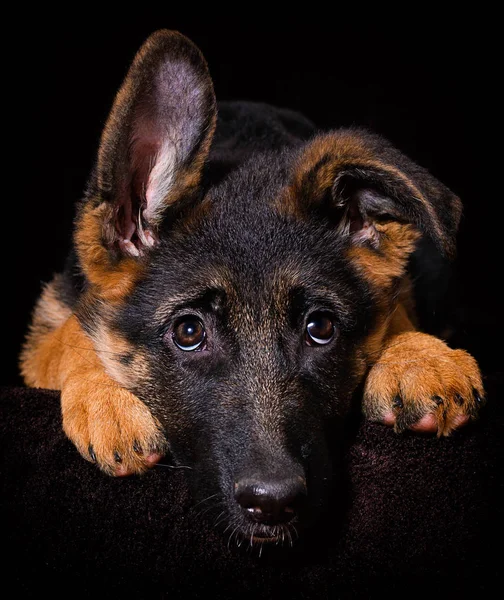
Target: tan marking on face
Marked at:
217, 277
55, 339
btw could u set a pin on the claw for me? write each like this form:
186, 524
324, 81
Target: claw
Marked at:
479, 399
92, 453
397, 402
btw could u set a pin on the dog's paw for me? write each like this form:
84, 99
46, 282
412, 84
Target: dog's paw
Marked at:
420, 383
110, 426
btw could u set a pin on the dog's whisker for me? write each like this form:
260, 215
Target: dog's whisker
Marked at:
173, 466
85, 359
218, 518
291, 541
207, 509
231, 536
88, 349
295, 531
199, 510
97, 382
206, 499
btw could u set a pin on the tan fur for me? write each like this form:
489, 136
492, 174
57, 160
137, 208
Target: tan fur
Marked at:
49, 314
112, 280
110, 347
382, 268
96, 410
416, 368
425, 374
336, 151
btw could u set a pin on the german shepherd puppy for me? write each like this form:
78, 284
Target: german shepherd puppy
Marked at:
236, 277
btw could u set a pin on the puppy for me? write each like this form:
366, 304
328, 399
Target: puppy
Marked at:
237, 277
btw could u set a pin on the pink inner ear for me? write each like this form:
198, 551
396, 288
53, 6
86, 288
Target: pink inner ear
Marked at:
354, 216
360, 225
136, 208
367, 233
164, 113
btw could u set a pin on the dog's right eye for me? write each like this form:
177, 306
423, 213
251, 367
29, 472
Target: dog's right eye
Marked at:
189, 334
320, 329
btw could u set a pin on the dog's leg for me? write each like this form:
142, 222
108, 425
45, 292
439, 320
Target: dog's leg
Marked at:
149, 167
107, 424
419, 383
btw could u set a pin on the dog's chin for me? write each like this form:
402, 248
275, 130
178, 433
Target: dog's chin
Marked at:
257, 535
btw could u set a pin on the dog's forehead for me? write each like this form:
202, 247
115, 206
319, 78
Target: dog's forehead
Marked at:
269, 296
258, 260
244, 245
246, 223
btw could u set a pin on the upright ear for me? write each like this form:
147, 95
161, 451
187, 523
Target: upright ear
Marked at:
151, 153
379, 199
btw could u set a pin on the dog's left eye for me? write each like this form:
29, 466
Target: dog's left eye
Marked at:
189, 334
320, 329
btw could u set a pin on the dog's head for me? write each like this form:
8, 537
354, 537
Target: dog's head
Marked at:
244, 311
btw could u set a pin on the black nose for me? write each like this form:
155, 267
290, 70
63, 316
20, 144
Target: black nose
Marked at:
270, 501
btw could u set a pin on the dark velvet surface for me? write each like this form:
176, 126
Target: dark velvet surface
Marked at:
411, 515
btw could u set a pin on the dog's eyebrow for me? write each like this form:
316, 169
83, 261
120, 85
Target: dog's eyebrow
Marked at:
206, 299
321, 295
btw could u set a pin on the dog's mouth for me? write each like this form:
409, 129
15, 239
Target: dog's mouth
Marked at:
255, 535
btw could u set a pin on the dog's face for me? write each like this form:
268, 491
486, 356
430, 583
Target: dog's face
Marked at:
248, 333
244, 311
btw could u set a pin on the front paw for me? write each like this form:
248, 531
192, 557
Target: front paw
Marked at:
110, 426
420, 383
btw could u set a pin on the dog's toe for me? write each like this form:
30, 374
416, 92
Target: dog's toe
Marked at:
424, 386
112, 428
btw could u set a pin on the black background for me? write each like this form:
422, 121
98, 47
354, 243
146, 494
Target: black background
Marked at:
424, 84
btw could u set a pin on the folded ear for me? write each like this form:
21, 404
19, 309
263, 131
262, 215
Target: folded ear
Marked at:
151, 153
378, 198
